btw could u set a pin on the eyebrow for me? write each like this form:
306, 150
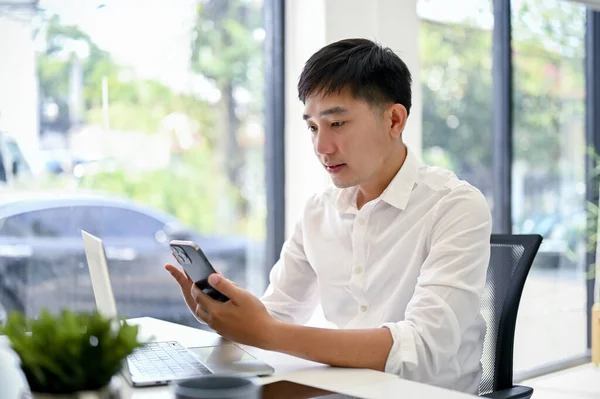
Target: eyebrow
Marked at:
329, 111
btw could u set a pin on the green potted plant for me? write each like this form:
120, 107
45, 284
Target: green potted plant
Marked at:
70, 353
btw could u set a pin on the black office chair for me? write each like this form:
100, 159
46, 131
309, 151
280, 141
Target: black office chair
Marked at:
510, 261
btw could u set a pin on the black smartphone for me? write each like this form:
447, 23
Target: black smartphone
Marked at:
196, 264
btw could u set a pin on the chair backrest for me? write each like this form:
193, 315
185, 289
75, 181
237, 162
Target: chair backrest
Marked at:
510, 261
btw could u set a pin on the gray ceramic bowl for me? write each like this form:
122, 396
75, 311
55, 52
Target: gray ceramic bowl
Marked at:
217, 387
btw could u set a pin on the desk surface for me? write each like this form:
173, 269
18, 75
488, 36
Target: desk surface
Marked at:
581, 382
354, 382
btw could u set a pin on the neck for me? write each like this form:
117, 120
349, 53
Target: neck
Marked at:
374, 187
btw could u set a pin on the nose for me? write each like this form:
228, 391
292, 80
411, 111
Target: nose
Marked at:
324, 142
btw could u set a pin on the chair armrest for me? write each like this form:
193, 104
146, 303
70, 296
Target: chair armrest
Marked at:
516, 392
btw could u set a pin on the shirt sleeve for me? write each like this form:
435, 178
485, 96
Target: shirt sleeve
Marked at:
292, 294
446, 301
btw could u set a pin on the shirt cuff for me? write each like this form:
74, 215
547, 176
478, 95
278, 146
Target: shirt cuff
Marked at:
403, 355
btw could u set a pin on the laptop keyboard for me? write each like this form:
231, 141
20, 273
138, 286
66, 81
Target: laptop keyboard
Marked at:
161, 361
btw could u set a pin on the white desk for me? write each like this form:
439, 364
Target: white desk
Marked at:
354, 382
581, 382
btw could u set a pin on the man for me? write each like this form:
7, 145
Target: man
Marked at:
396, 253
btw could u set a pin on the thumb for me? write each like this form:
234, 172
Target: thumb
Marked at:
225, 286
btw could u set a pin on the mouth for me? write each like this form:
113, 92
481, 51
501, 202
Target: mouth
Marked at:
335, 168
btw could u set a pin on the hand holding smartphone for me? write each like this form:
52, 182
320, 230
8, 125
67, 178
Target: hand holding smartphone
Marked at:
196, 264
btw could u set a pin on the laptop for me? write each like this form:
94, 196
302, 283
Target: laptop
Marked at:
159, 363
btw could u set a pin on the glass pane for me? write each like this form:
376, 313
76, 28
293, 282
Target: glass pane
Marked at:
549, 177
58, 222
120, 222
457, 88
150, 129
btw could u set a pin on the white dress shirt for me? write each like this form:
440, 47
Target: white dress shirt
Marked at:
413, 260
13, 383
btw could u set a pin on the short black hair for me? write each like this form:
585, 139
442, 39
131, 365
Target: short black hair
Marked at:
371, 72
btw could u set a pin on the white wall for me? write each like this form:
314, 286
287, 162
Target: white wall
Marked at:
18, 80
310, 25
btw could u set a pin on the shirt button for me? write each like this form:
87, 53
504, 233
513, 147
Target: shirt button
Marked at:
363, 308
357, 270
361, 221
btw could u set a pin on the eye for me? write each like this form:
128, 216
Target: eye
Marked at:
312, 128
337, 124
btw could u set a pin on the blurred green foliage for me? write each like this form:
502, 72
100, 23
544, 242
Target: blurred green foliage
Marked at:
203, 185
456, 78
189, 190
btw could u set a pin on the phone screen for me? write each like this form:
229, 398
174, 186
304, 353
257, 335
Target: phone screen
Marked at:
197, 266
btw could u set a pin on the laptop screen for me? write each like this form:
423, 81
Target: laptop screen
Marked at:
96, 259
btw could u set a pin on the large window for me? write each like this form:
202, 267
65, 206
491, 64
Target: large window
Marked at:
151, 128
548, 184
456, 79
549, 147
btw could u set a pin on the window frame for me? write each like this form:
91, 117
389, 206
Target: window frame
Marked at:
503, 143
274, 14
592, 133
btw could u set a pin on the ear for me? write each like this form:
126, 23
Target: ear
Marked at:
397, 119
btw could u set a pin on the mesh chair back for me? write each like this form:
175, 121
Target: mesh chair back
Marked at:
510, 261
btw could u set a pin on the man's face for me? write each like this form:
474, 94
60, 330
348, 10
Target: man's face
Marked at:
350, 138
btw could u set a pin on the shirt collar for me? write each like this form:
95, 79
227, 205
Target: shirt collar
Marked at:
345, 201
396, 193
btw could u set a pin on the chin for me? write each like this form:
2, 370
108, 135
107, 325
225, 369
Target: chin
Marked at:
343, 184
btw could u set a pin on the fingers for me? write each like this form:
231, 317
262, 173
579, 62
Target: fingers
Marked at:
225, 286
188, 276
181, 277
203, 300
186, 284
202, 313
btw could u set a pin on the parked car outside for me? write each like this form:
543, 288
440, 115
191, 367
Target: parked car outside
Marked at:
42, 259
